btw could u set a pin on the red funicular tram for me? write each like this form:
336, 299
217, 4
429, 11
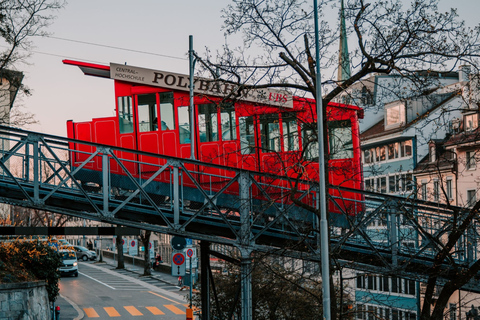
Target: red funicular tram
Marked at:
266, 131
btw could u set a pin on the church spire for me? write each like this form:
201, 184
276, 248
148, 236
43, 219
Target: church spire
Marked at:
343, 58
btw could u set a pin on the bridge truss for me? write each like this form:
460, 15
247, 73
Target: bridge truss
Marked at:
247, 210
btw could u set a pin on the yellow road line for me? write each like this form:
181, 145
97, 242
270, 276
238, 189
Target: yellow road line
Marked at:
133, 311
155, 310
90, 312
112, 312
174, 309
159, 295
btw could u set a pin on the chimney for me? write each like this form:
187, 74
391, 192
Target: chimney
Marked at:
464, 72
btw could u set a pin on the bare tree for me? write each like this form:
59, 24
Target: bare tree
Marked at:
20, 22
145, 238
412, 42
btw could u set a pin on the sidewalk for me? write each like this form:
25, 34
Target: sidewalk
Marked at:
165, 277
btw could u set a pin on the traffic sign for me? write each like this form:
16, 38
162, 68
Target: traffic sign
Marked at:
178, 259
190, 253
178, 264
178, 243
133, 243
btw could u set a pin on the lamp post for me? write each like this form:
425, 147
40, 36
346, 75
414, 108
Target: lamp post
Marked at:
322, 175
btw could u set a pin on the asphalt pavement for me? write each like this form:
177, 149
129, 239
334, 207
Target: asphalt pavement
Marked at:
69, 310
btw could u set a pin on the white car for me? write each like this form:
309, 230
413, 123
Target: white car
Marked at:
69, 262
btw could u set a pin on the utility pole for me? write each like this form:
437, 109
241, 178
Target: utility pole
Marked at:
322, 176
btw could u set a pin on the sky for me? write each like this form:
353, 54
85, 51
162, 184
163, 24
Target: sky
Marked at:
158, 28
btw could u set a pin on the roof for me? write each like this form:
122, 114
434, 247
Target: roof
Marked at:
378, 129
445, 160
464, 139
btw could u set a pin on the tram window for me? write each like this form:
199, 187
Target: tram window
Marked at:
207, 122
340, 138
247, 135
227, 116
147, 113
310, 142
167, 116
184, 124
270, 132
290, 132
125, 114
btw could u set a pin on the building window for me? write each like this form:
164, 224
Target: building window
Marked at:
471, 122
449, 187
406, 148
471, 197
436, 190
453, 311
368, 156
392, 151
382, 184
395, 116
471, 165
380, 153
369, 185
424, 190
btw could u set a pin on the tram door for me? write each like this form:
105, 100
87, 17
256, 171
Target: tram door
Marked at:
127, 138
217, 134
278, 139
155, 128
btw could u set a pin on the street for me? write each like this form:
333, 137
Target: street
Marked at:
102, 292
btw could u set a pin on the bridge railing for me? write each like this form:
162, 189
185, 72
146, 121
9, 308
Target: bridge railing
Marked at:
221, 204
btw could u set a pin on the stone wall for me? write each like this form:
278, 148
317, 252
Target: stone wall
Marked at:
24, 301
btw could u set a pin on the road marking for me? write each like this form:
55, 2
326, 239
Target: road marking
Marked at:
106, 285
133, 311
159, 295
90, 312
155, 310
174, 309
112, 312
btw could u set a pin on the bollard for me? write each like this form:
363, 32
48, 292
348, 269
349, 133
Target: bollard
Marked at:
189, 314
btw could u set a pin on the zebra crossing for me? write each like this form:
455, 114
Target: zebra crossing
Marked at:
163, 310
124, 279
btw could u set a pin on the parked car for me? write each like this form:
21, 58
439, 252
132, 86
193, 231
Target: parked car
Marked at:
69, 262
85, 254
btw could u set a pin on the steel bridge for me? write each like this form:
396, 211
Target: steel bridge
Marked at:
249, 210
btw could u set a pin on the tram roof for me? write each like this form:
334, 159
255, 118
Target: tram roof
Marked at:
133, 74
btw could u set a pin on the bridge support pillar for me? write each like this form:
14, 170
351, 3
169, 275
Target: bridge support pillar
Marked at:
246, 284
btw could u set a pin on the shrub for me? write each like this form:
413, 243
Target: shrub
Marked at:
29, 261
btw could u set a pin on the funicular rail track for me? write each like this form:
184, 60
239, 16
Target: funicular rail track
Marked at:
246, 209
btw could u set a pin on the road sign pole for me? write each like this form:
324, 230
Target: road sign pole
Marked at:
191, 282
